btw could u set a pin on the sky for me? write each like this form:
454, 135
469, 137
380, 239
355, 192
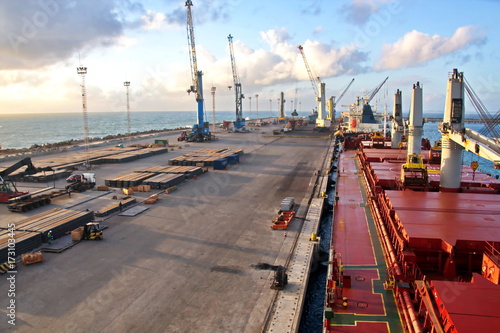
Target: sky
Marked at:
42, 42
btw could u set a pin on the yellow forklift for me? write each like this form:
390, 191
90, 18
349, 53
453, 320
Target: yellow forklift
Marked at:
92, 230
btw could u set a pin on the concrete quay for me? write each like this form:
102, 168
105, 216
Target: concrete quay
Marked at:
184, 264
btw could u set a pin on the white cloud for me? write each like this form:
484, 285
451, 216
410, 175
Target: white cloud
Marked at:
41, 33
416, 47
153, 20
359, 11
284, 63
125, 42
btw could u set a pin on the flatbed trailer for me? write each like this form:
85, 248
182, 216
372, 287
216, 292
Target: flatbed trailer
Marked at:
28, 202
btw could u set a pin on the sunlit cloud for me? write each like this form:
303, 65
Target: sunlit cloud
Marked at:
416, 48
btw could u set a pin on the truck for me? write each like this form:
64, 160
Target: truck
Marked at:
81, 183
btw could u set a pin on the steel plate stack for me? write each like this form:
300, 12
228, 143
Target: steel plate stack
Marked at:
205, 157
163, 181
128, 180
25, 241
31, 232
59, 220
188, 171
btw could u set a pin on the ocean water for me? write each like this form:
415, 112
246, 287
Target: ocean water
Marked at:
25, 130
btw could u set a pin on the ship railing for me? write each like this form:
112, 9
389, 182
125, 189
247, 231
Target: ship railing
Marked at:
491, 250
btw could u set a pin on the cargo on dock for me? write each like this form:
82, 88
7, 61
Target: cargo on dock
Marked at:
31, 232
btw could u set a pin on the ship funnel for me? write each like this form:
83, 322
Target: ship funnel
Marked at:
415, 127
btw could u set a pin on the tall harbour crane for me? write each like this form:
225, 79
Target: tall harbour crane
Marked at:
314, 81
201, 131
319, 92
239, 122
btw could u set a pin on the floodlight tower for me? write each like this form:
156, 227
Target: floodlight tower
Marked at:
82, 71
127, 85
257, 104
250, 109
213, 108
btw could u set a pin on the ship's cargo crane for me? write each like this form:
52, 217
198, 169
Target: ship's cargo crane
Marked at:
367, 99
239, 122
201, 131
491, 123
342, 94
332, 102
455, 137
361, 117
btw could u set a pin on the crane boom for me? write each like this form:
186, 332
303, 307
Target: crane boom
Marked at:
309, 72
240, 122
375, 91
343, 93
483, 112
192, 51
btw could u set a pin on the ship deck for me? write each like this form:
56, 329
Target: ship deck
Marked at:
370, 307
449, 217
435, 238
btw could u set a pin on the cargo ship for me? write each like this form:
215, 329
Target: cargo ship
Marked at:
416, 236
361, 117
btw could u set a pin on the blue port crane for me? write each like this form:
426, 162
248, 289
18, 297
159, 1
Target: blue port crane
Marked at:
201, 131
240, 122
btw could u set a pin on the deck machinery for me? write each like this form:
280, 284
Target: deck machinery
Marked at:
201, 130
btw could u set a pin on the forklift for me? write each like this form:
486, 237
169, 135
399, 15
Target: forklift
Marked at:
92, 230
280, 279
183, 136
